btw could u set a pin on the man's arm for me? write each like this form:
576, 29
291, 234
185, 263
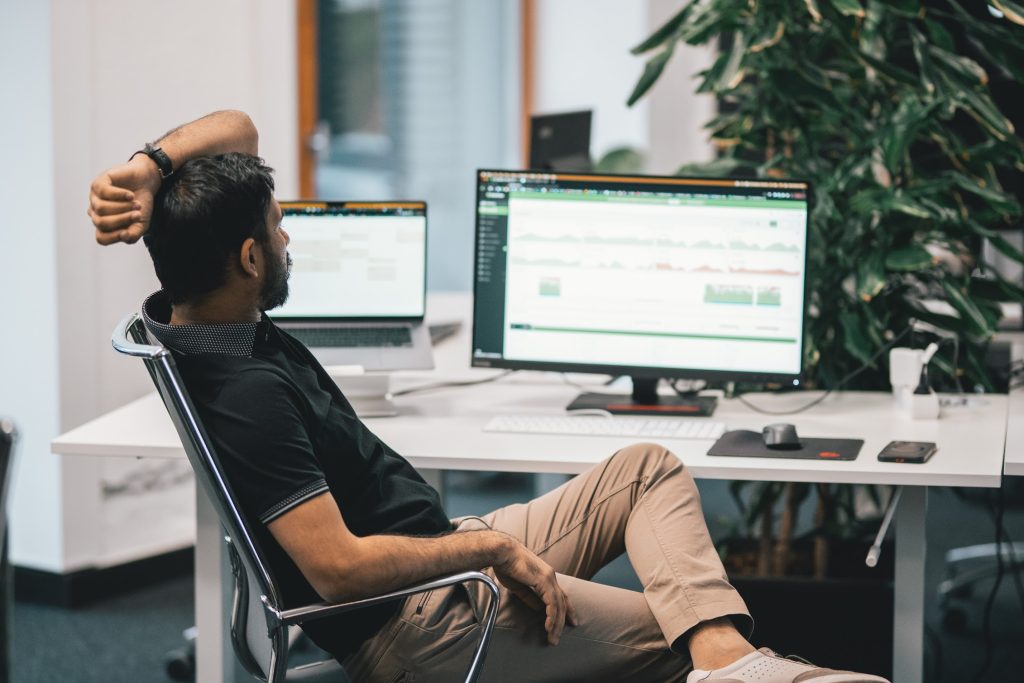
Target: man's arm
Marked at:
342, 566
121, 198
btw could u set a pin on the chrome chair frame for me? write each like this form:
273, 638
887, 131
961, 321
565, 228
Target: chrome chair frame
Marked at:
248, 565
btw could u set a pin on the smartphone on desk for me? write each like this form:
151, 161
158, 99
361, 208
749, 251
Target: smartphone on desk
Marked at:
916, 452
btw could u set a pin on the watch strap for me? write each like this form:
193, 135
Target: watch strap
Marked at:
159, 157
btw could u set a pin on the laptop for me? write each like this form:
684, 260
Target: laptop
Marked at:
357, 291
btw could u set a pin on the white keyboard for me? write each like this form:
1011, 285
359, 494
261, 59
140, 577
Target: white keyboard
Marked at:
599, 425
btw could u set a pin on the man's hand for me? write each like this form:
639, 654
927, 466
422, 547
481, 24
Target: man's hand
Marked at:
533, 581
121, 200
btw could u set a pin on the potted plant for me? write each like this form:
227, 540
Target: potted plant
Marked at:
892, 111
888, 110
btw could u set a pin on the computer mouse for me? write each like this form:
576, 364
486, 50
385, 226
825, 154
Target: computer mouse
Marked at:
780, 436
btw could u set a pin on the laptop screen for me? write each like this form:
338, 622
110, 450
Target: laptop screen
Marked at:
355, 260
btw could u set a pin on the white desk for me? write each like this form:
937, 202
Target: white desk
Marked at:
443, 430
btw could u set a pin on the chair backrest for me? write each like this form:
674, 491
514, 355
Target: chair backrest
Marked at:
260, 644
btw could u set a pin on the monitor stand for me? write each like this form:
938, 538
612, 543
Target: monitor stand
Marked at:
645, 400
369, 393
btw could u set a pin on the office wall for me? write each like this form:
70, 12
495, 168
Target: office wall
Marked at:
677, 114
122, 73
29, 375
582, 61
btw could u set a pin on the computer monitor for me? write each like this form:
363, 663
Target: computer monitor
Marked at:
652, 277
561, 142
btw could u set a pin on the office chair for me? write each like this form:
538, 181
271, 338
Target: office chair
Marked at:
7, 435
968, 567
261, 644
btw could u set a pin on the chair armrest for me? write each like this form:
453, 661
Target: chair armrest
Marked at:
299, 615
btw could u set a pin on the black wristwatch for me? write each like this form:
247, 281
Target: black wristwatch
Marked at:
159, 157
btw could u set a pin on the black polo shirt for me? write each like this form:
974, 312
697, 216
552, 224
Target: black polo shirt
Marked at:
284, 434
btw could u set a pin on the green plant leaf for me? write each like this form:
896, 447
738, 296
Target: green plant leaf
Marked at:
855, 341
870, 276
1007, 249
812, 9
730, 74
939, 35
908, 206
707, 21
977, 323
964, 67
769, 38
850, 8
1002, 201
996, 288
920, 47
620, 160
909, 259
904, 128
906, 8
975, 366
652, 70
1011, 10
722, 166
667, 31
981, 107
890, 71
917, 310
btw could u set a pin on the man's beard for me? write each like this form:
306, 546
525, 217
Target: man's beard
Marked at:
275, 287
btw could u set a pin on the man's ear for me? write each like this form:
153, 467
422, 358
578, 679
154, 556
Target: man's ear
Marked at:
248, 258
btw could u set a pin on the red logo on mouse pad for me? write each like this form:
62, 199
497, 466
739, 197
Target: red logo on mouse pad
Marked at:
828, 454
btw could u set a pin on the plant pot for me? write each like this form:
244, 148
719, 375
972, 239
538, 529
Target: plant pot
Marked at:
844, 621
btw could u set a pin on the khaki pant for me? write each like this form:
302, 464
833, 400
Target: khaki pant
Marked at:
640, 501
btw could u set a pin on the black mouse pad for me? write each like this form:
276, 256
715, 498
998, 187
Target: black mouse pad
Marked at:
745, 443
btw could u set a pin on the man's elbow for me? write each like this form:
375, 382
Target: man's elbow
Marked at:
248, 136
335, 589
341, 581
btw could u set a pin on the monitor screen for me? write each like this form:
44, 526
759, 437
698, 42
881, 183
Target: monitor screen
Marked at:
560, 142
355, 259
640, 275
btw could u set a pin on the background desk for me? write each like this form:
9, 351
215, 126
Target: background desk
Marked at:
444, 430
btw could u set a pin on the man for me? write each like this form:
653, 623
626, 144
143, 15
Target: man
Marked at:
342, 516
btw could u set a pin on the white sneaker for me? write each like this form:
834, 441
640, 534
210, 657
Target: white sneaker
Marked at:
764, 666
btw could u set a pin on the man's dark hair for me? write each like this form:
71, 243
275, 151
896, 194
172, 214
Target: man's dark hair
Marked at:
201, 216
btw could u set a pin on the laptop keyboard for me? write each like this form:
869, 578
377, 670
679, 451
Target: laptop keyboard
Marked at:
349, 337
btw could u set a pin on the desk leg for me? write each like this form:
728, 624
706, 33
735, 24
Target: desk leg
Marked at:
908, 591
215, 660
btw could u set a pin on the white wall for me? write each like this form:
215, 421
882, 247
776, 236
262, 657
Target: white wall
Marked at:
28, 279
583, 61
122, 72
677, 113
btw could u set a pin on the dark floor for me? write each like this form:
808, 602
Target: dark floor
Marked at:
127, 638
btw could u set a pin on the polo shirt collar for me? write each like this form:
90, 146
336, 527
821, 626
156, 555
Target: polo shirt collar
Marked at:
232, 339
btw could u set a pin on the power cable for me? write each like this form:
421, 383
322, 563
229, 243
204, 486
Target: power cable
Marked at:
878, 354
445, 385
